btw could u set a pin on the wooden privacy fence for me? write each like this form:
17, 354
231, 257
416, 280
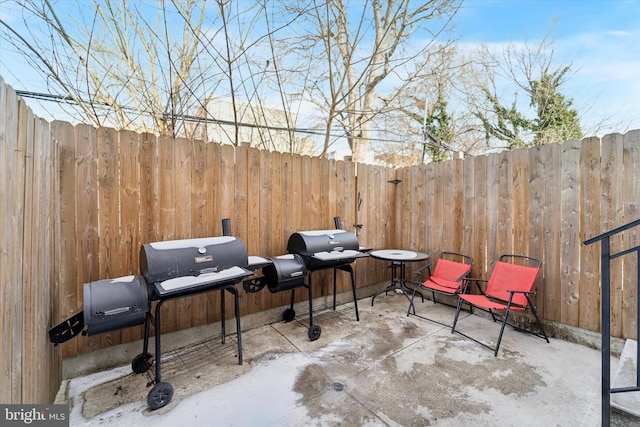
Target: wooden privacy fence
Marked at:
121, 189
544, 202
29, 199
116, 190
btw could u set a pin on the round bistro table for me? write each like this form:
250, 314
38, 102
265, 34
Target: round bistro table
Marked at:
398, 259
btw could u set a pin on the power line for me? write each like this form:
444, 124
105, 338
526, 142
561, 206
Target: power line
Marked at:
62, 99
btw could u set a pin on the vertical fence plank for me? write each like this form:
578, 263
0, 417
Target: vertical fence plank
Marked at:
468, 240
108, 214
492, 244
365, 234
535, 219
229, 160
448, 206
37, 351
201, 216
612, 217
183, 209
167, 207
552, 160
631, 205
588, 206
263, 188
129, 214
13, 190
458, 192
86, 192
52, 354
437, 198
297, 191
422, 222
253, 216
505, 205
481, 208
63, 133
520, 201
24, 301
569, 234
7, 236
148, 189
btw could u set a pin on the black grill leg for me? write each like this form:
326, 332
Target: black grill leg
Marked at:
353, 289
223, 314
147, 325
334, 289
157, 340
310, 302
234, 291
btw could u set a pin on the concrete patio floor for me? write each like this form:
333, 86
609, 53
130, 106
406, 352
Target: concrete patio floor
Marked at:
385, 370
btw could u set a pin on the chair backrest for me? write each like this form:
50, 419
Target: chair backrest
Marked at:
450, 270
507, 276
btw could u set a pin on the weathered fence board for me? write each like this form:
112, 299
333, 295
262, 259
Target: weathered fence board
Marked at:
551, 266
569, 234
589, 194
631, 207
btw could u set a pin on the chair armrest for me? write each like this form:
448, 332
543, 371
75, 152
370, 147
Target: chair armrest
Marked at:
478, 281
521, 292
419, 271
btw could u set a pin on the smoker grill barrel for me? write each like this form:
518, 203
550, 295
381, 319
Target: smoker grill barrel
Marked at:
108, 305
308, 243
285, 272
171, 259
114, 304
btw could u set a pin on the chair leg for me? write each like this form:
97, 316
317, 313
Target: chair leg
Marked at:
413, 295
535, 314
455, 319
504, 323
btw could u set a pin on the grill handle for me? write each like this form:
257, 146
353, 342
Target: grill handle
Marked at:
114, 311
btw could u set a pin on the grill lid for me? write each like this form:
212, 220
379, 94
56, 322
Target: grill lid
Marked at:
113, 304
314, 242
162, 261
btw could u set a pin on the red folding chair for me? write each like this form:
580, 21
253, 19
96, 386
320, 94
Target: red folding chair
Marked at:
508, 289
449, 278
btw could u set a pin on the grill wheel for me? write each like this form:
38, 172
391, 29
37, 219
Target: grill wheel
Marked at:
160, 395
141, 363
288, 315
314, 332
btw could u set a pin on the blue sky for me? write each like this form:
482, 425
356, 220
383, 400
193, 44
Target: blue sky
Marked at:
600, 38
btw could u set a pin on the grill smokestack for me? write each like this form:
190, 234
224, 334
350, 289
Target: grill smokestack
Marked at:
226, 227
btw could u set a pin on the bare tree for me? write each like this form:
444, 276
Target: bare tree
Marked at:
156, 67
431, 111
354, 51
120, 68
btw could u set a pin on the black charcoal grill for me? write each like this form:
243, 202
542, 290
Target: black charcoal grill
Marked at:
109, 305
182, 268
309, 251
170, 270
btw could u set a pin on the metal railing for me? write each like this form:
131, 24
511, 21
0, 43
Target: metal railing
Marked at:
605, 270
